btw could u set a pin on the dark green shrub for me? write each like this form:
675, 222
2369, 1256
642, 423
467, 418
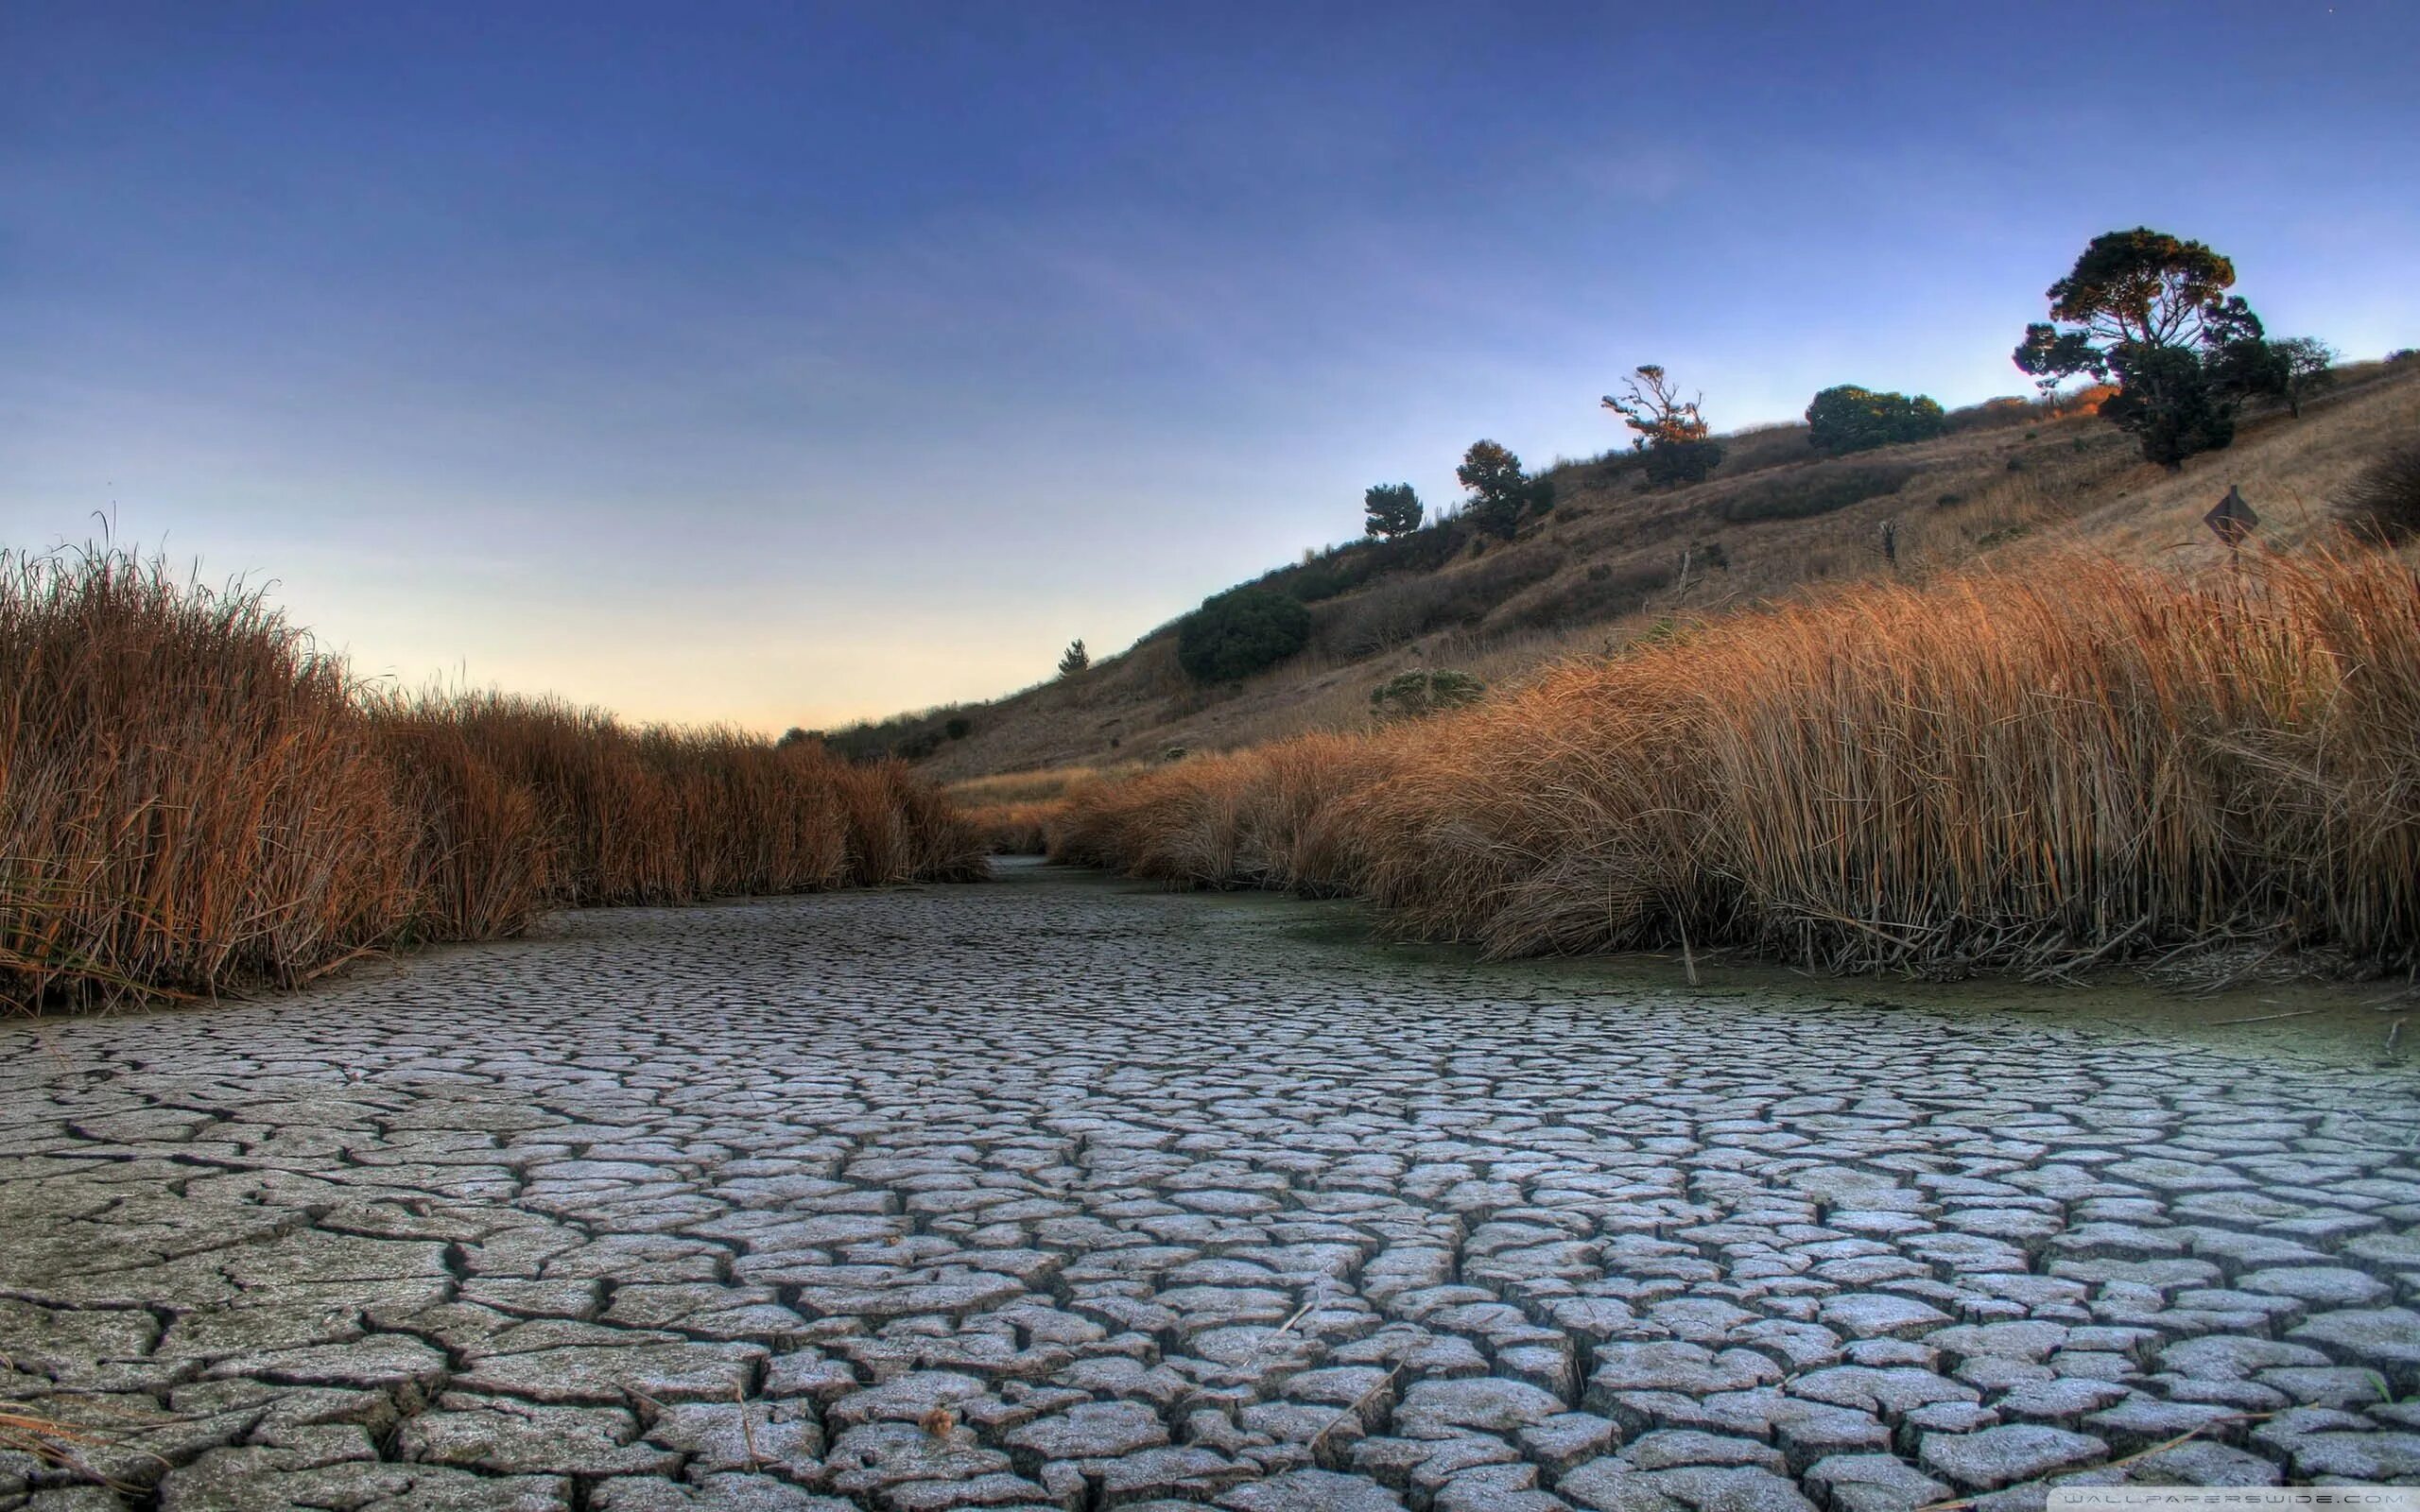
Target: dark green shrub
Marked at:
958, 728
1342, 569
1848, 419
1417, 694
1679, 462
2383, 503
1809, 491
1240, 632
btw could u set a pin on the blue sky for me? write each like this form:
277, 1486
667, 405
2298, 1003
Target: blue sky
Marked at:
786, 363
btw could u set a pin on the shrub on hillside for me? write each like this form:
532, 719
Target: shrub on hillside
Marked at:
1805, 493
1400, 610
1671, 463
1418, 694
1342, 569
1599, 593
1240, 632
2383, 503
1849, 419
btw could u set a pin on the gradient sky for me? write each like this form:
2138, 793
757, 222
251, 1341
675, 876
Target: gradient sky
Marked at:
787, 363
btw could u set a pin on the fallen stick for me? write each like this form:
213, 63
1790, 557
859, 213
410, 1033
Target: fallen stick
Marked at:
2181, 1439
1353, 1412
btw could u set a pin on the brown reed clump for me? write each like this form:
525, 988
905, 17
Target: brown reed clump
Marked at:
193, 799
189, 794
1016, 829
2024, 770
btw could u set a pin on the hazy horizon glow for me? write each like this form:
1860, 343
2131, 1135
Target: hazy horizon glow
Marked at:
814, 362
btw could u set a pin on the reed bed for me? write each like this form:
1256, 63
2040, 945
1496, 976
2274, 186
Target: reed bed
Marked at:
2027, 771
194, 798
1021, 828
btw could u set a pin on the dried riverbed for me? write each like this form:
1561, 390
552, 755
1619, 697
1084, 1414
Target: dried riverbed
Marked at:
1066, 1193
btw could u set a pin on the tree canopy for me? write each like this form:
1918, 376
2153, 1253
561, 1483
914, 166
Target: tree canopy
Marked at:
1670, 432
1500, 492
1393, 510
2152, 313
1848, 419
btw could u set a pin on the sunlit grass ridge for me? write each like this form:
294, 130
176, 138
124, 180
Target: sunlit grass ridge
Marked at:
2025, 769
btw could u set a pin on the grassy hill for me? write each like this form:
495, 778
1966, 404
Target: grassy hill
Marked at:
1615, 560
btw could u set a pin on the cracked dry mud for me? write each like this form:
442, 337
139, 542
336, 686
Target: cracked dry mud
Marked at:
1061, 1194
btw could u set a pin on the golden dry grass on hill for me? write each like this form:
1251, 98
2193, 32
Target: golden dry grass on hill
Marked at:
1614, 559
192, 799
2033, 768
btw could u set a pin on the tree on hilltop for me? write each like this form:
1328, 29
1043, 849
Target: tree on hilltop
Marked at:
1075, 658
2299, 368
1500, 492
1671, 433
2152, 313
1393, 511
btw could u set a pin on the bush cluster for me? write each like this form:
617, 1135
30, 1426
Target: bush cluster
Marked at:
1342, 569
2383, 502
1418, 694
1240, 632
1849, 419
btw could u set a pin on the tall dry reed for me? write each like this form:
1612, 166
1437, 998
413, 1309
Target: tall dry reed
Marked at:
2018, 770
194, 798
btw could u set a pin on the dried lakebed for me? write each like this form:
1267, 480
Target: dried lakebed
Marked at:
1063, 1194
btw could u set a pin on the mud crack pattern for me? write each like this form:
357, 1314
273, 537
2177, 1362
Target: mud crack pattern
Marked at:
1061, 1193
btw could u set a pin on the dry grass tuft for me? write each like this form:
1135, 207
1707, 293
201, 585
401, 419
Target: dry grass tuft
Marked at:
194, 798
2023, 771
2383, 502
1017, 828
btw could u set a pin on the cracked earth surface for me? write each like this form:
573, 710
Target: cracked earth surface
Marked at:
1061, 1194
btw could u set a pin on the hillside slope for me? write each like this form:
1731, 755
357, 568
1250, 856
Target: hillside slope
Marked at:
1615, 558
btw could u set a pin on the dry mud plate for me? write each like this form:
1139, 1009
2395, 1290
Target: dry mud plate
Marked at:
1061, 1194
